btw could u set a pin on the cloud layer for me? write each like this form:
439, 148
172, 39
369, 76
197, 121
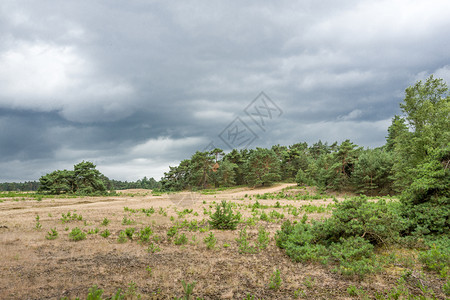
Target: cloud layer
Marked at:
138, 86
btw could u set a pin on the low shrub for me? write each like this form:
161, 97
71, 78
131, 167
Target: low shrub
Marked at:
210, 241
347, 238
77, 234
224, 218
437, 258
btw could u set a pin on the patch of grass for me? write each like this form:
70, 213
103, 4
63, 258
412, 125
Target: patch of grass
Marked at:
93, 231
299, 293
184, 212
353, 291
309, 282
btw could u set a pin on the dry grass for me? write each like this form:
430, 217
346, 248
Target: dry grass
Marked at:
32, 267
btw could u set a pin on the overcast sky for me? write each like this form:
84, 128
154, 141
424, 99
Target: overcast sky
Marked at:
136, 86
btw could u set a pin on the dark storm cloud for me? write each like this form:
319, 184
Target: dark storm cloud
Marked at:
136, 86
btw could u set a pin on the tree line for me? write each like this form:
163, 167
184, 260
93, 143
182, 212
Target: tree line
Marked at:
19, 186
64, 181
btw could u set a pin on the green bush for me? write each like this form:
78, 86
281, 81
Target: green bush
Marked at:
243, 243
105, 222
145, 233
437, 258
122, 237
347, 238
354, 256
224, 218
172, 231
210, 241
52, 234
263, 238
77, 234
275, 280
105, 233
376, 222
181, 239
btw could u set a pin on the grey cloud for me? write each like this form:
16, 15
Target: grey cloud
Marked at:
106, 81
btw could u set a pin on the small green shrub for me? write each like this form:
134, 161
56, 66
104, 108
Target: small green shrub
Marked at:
243, 243
188, 289
354, 256
276, 215
130, 232
263, 238
122, 237
437, 258
38, 225
52, 234
105, 222
353, 291
70, 216
446, 288
95, 293
224, 218
153, 248
172, 231
93, 231
275, 280
181, 239
299, 293
145, 233
347, 238
309, 282
105, 233
77, 234
149, 270
210, 241
126, 221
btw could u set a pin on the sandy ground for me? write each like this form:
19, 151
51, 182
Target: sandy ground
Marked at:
32, 267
